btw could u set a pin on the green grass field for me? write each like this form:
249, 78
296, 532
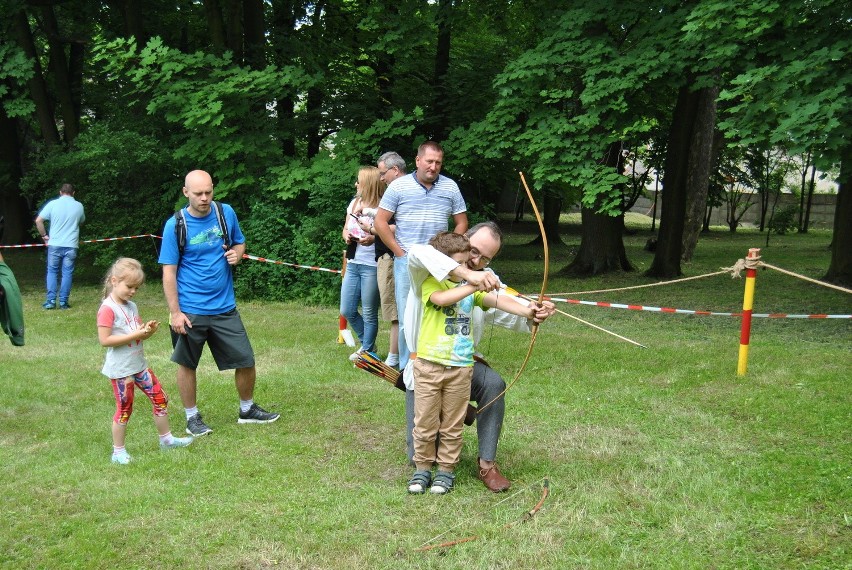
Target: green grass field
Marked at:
657, 458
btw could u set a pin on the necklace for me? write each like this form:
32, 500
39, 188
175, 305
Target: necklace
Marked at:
131, 323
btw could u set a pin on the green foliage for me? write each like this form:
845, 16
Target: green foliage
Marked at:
124, 180
15, 70
221, 110
304, 229
566, 99
784, 220
536, 86
299, 217
795, 84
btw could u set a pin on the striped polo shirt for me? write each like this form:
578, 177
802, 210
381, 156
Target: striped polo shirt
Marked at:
421, 213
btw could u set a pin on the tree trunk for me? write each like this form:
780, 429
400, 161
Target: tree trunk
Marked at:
807, 162
700, 157
36, 84
552, 208
283, 23
131, 12
234, 28
76, 63
764, 196
313, 106
216, 25
840, 270
667, 257
602, 239
13, 206
440, 101
811, 187
656, 199
61, 77
601, 246
255, 34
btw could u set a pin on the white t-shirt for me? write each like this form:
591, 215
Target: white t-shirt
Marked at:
364, 254
128, 359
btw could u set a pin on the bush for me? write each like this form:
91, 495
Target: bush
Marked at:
784, 220
299, 225
125, 183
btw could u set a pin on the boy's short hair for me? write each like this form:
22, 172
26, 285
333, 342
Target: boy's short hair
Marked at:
450, 243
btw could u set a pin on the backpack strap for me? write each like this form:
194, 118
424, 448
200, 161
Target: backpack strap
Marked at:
223, 225
180, 227
180, 231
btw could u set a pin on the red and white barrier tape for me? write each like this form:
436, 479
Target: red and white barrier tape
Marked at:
82, 241
245, 256
690, 312
265, 260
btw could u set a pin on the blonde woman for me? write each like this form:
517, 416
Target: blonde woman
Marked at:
360, 286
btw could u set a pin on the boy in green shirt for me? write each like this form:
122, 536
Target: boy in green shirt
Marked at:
444, 366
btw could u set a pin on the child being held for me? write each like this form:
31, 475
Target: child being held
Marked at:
444, 367
122, 331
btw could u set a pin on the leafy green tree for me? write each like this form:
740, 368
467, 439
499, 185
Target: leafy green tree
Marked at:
126, 182
564, 104
793, 89
211, 102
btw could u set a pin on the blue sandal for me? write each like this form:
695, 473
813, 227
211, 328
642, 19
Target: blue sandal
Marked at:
419, 482
443, 483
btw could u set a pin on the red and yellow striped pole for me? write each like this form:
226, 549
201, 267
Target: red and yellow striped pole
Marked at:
344, 335
748, 304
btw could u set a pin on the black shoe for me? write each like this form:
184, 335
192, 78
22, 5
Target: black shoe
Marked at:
257, 415
196, 427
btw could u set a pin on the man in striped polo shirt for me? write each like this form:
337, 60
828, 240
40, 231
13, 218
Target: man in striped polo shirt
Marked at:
421, 203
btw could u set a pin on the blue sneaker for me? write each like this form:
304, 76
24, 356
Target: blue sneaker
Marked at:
48, 305
122, 458
176, 442
64, 306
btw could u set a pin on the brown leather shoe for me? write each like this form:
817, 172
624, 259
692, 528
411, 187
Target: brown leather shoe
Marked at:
493, 479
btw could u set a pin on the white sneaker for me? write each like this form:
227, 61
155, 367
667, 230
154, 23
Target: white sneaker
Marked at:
392, 360
354, 356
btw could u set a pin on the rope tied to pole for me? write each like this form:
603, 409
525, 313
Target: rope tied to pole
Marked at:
756, 263
741, 265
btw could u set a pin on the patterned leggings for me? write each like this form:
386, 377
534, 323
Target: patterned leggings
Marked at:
123, 388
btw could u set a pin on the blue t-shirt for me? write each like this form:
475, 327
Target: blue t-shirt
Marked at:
65, 215
205, 283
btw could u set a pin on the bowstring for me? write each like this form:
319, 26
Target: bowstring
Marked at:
511, 232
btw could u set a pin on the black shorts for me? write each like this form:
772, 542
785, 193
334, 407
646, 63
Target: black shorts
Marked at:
224, 334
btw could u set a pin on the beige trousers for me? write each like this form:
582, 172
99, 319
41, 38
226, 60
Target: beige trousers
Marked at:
441, 394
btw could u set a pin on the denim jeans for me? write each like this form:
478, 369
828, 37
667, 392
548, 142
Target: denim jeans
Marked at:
360, 286
402, 283
64, 258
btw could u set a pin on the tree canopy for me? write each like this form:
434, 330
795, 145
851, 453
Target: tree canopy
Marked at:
282, 100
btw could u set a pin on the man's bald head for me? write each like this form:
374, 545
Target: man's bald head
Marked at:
198, 188
197, 178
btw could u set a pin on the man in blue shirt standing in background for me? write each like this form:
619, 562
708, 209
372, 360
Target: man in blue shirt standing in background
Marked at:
65, 215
